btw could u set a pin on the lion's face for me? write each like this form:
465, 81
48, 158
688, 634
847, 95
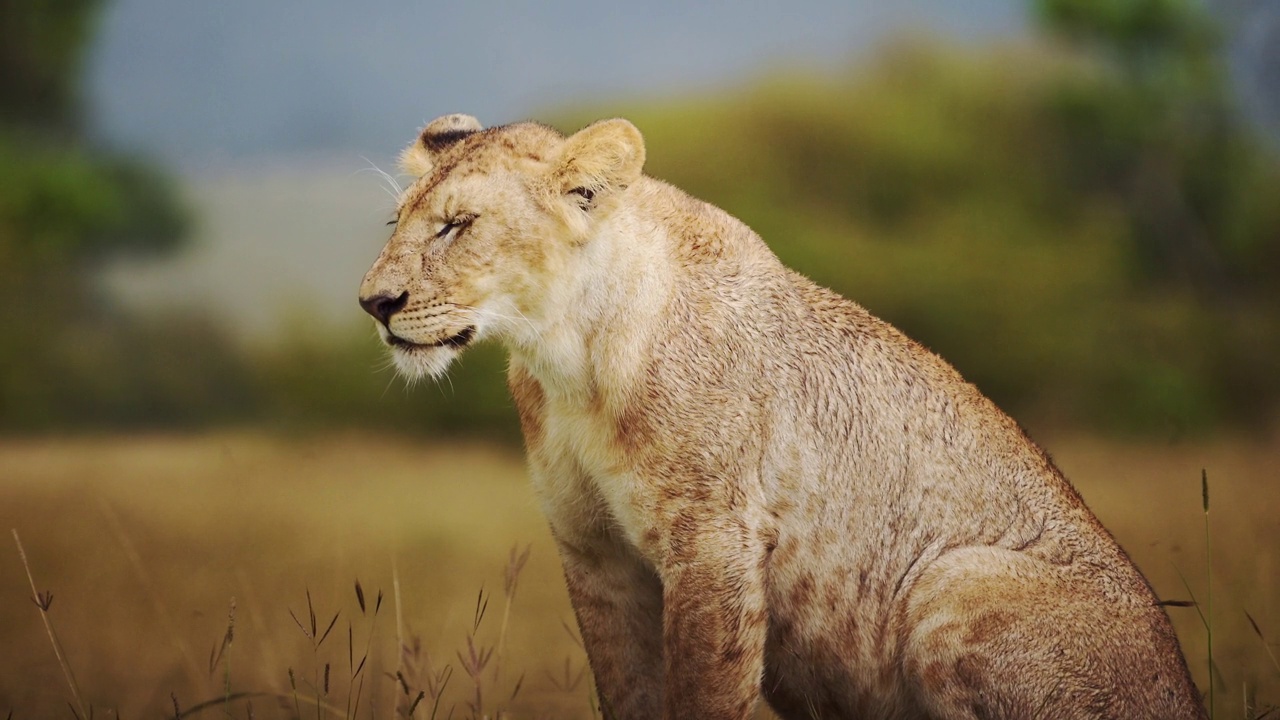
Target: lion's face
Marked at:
480, 235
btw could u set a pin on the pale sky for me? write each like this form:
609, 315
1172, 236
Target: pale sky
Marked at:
199, 82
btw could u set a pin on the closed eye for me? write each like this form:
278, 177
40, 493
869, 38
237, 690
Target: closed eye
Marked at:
458, 222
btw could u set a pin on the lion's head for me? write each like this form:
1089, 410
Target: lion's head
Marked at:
484, 235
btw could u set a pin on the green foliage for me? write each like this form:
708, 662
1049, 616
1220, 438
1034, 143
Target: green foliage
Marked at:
41, 46
61, 205
68, 358
1156, 116
69, 361
308, 382
1136, 29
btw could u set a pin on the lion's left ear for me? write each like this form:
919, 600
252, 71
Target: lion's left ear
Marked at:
601, 158
418, 159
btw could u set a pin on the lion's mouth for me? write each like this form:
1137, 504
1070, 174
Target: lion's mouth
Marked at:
458, 341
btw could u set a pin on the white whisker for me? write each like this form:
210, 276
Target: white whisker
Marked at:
387, 389
481, 313
528, 322
436, 380
411, 382
391, 186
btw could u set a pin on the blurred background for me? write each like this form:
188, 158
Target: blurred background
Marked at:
1076, 202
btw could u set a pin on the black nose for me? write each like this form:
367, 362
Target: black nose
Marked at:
382, 307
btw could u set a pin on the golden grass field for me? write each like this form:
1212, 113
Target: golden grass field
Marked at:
145, 541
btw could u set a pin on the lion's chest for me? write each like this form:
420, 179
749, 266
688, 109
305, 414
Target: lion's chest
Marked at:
588, 486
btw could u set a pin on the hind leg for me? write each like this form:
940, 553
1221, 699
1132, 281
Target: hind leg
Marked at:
998, 634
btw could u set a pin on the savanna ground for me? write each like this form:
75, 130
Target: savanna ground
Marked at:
147, 542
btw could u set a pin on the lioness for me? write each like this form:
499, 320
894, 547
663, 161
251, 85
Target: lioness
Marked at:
756, 487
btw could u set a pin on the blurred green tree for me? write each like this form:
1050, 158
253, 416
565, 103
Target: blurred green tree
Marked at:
67, 356
41, 47
1157, 124
63, 202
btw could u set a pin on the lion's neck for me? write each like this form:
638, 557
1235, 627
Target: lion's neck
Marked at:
596, 327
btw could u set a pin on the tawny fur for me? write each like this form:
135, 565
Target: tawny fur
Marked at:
757, 488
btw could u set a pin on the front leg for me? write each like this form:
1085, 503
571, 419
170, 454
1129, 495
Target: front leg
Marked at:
714, 620
685, 642
618, 603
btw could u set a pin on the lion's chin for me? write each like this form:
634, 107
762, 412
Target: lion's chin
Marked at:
417, 361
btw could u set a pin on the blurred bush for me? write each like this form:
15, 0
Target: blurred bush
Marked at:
314, 380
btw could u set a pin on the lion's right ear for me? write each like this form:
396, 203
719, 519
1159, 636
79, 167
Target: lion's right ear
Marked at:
418, 159
602, 157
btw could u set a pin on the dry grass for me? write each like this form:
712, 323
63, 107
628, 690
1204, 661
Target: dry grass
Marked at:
175, 564
146, 543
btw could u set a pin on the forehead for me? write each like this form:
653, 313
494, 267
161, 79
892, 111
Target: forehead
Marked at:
506, 149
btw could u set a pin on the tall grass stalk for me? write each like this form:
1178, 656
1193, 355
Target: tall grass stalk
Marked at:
313, 634
1263, 638
395, 592
357, 671
1208, 571
293, 686
510, 581
43, 601
1204, 610
225, 652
